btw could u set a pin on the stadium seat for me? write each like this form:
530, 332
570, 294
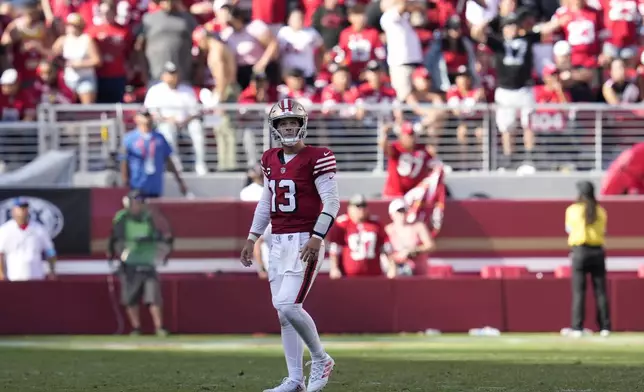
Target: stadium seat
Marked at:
562, 272
503, 271
440, 271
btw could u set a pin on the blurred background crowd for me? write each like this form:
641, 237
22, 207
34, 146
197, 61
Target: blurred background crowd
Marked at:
340, 54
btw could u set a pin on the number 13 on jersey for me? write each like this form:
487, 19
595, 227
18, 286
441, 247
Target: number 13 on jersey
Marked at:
287, 191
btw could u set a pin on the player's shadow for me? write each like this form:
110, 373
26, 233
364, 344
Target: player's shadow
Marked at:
397, 370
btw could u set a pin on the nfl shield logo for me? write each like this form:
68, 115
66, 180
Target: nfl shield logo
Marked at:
283, 170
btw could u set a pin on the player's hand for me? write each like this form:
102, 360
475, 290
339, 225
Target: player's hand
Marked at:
247, 254
311, 250
262, 274
335, 273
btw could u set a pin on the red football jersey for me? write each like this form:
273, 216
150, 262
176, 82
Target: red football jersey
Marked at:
15, 107
582, 29
542, 120
406, 169
457, 97
306, 96
362, 243
367, 94
114, 43
622, 18
295, 202
357, 48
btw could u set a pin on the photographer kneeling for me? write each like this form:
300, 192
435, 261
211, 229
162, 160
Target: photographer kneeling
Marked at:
136, 239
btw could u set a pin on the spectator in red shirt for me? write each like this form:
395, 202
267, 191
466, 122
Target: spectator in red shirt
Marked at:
28, 39
258, 92
50, 86
357, 240
623, 19
339, 92
447, 53
17, 104
114, 43
462, 96
549, 125
374, 91
359, 44
295, 87
583, 27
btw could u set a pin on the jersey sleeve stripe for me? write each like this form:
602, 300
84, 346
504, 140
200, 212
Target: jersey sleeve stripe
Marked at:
328, 168
325, 159
325, 164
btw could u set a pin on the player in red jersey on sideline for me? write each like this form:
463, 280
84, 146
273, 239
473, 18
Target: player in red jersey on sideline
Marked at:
625, 176
356, 242
300, 200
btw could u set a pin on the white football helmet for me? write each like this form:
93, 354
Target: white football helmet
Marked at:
288, 108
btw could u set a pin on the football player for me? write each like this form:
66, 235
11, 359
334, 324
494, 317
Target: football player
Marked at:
300, 200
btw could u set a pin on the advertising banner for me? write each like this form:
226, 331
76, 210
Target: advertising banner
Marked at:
65, 213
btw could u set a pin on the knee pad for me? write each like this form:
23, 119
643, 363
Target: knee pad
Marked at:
283, 320
288, 311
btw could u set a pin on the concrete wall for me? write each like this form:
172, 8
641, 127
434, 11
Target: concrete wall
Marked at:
462, 185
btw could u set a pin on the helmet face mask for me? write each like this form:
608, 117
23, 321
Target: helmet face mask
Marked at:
287, 121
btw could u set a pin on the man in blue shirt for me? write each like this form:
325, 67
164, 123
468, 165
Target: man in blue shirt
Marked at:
145, 156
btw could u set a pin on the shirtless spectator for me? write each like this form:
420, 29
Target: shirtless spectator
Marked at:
411, 242
28, 40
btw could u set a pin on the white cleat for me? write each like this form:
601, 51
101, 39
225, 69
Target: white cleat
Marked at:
604, 333
320, 373
576, 334
288, 385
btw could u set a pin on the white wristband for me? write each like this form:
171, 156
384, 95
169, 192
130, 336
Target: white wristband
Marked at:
252, 237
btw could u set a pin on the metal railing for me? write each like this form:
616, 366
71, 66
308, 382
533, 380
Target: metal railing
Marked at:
572, 136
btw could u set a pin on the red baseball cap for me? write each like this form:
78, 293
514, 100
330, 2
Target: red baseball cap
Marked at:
420, 72
406, 128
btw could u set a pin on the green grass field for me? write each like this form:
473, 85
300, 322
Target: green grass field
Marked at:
455, 363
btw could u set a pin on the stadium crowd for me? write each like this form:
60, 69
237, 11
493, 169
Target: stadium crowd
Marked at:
329, 52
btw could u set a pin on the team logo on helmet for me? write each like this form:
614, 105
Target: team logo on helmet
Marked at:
288, 108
